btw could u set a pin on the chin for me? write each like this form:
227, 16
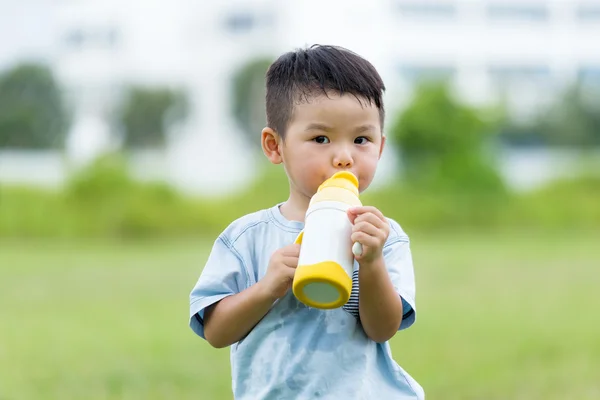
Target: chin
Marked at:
363, 184
309, 193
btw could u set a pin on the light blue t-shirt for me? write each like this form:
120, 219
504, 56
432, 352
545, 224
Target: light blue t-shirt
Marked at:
298, 352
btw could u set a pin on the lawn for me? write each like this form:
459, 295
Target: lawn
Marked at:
501, 316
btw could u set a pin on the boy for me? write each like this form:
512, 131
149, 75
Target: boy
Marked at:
324, 114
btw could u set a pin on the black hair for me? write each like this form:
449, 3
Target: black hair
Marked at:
298, 75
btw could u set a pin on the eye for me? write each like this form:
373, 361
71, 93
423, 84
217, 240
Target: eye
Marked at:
321, 139
361, 140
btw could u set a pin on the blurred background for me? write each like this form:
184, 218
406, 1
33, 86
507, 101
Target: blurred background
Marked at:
129, 139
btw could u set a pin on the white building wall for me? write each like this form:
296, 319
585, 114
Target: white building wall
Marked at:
524, 52
27, 30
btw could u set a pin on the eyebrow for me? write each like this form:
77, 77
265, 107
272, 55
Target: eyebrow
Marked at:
365, 128
315, 126
322, 127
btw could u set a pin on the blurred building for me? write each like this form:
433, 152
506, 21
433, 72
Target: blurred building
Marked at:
27, 29
519, 51
108, 45
27, 34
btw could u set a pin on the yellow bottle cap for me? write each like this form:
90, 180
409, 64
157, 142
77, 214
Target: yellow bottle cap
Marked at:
343, 179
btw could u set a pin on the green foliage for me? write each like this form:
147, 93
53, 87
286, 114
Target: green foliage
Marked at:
103, 201
444, 144
573, 121
147, 114
488, 307
27, 212
249, 90
421, 210
565, 204
32, 113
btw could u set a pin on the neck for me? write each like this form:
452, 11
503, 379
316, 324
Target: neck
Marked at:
294, 209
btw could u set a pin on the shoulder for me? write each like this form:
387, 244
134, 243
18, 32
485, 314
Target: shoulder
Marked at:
245, 225
397, 234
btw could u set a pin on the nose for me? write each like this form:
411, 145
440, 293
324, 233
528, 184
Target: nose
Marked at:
343, 159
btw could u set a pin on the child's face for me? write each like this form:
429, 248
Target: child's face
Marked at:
331, 134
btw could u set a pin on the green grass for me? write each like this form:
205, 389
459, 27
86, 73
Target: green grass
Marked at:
505, 316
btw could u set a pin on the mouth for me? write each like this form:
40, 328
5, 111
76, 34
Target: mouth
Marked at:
345, 174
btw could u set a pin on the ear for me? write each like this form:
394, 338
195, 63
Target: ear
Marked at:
383, 140
270, 141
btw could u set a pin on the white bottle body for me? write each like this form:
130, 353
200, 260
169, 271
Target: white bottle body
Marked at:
326, 236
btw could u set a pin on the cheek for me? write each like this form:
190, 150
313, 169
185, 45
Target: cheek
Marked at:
309, 172
297, 163
369, 158
367, 170
364, 182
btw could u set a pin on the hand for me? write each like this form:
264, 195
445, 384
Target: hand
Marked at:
280, 272
371, 229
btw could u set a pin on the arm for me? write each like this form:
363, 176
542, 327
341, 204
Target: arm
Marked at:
230, 319
380, 307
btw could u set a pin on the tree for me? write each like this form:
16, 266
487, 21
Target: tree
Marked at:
249, 92
147, 114
573, 121
443, 142
32, 112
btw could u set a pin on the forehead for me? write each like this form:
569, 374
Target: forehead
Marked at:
336, 110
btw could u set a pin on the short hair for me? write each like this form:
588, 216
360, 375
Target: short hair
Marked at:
298, 75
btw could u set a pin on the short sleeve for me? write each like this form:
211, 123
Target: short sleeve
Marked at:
223, 275
398, 261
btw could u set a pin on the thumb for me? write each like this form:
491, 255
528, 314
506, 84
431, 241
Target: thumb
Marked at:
351, 215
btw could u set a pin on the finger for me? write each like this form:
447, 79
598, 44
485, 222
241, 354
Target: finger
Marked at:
383, 229
375, 210
291, 250
365, 240
290, 261
351, 216
356, 210
289, 272
366, 209
371, 219
368, 228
